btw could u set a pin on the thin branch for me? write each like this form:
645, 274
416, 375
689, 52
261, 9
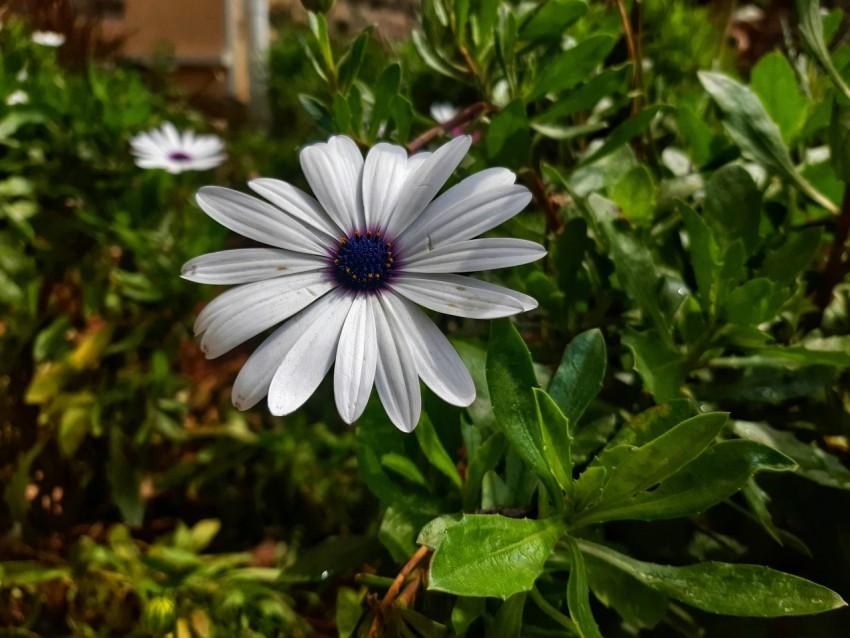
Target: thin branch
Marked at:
384, 608
463, 116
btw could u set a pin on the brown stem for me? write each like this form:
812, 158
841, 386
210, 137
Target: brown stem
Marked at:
553, 222
837, 266
394, 589
635, 53
463, 116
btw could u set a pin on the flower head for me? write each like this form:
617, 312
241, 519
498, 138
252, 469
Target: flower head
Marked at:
48, 38
177, 152
346, 270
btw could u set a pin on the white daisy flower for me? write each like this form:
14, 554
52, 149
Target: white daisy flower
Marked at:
48, 38
347, 272
177, 152
18, 97
442, 112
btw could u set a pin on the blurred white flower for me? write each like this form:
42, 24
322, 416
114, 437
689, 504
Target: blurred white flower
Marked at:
442, 112
346, 270
18, 97
48, 38
176, 152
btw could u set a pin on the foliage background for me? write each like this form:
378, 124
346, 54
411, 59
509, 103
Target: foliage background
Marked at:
696, 227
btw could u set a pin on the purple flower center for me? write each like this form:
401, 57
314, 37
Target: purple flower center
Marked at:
363, 261
179, 156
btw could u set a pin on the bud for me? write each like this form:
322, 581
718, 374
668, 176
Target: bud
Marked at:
318, 6
159, 615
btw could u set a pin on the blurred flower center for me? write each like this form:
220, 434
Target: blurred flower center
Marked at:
363, 262
180, 156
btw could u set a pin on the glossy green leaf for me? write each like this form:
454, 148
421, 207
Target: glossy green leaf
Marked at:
508, 138
554, 427
811, 28
352, 60
434, 451
625, 132
635, 195
635, 267
510, 377
578, 594
636, 603
661, 366
493, 555
508, 620
551, 19
754, 302
572, 66
580, 374
813, 462
705, 254
732, 207
773, 80
632, 470
785, 263
749, 125
717, 474
652, 423
724, 588
587, 95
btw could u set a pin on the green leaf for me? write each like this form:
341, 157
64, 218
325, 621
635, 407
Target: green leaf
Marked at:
510, 377
624, 133
732, 207
465, 612
652, 423
493, 555
586, 96
754, 302
718, 473
508, 138
352, 60
551, 19
661, 366
632, 470
749, 125
398, 533
554, 427
636, 603
705, 255
785, 263
635, 195
402, 113
811, 28
385, 90
839, 141
15, 490
432, 58
703, 144
485, 458
813, 463
434, 451
578, 594
773, 80
508, 620
124, 480
572, 66
724, 588
579, 377
634, 264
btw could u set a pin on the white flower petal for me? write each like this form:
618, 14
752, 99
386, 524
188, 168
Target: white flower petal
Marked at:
437, 362
260, 221
334, 172
297, 203
475, 254
356, 360
395, 377
425, 182
171, 134
477, 204
461, 296
248, 264
384, 174
309, 359
245, 311
253, 381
